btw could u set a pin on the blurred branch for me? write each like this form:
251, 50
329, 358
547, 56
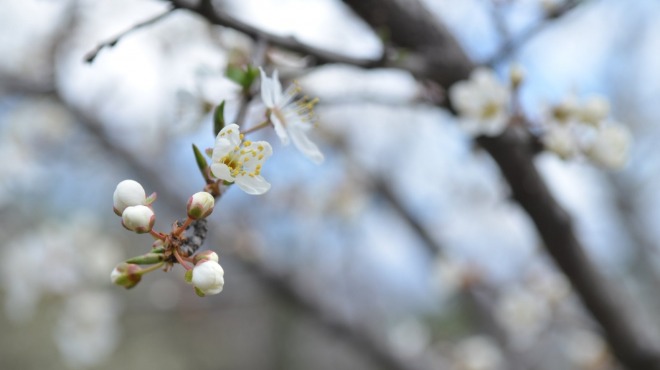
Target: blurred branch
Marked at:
206, 9
90, 56
412, 27
512, 44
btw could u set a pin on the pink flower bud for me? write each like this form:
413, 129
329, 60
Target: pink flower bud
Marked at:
126, 275
200, 205
138, 218
208, 278
128, 193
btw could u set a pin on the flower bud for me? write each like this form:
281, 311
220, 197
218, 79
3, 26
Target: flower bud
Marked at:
516, 75
200, 205
126, 275
208, 278
128, 193
205, 256
138, 218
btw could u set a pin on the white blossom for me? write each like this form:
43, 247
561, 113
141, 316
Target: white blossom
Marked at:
482, 102
128, 193
291, 117
138, 218
208, 277
87, 332
595, 110
522, 314
609, 147
240, 162
478, 353
561, 140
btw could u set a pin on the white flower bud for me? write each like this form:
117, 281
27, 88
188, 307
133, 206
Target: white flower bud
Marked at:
126, 275
561, 140
205, 256
208, 278
138, 218
200, 205
128, 193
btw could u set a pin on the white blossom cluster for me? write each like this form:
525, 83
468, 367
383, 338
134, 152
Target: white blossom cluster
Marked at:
572, 128
575, 128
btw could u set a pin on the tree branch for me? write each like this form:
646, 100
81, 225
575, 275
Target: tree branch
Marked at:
205, 9
511, 45
411, 27
90, 56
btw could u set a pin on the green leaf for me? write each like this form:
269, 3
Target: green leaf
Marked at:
236, 74
201, 161
146, 259
188, 276
219, 118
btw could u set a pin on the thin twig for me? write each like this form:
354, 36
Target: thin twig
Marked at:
205, 8
90, 56
512, 44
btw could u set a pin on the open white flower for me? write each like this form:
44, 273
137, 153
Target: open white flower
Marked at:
240, 162
290, 116
482, 102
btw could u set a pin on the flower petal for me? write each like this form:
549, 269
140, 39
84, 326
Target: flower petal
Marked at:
222, 171
221, 149
271, 89
279, 127
302, 142
254, 185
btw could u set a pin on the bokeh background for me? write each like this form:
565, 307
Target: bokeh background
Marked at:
403, 250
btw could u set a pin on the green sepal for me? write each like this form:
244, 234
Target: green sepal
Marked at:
146, 259
188, 276
201, 161
219, 118
199, 292
151, 198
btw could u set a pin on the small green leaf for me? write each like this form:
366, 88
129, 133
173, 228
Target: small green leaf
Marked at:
201, 161
236, 74
219, 118
199, 292
146, 259
188, 276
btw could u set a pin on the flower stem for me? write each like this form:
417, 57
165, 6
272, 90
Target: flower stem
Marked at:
152, 268
257, 127
180, 260
157, 235
183, 227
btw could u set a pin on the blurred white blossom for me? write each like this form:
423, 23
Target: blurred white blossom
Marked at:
87, 332
482, 103
522, 314
477, 353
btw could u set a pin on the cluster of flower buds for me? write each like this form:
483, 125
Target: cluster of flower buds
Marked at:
575, 129
234, 160
131, 203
